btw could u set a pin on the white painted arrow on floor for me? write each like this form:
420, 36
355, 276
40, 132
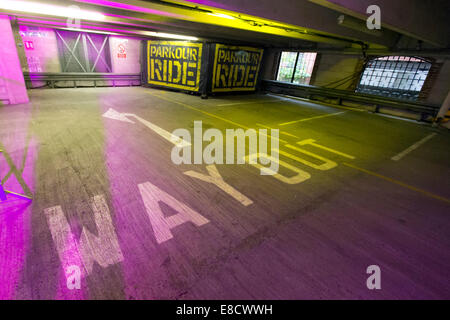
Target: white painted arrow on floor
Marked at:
115, 115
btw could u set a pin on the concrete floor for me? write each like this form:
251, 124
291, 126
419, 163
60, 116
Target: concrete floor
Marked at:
310, 240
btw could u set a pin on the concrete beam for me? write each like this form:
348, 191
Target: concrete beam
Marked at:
423, 20
199, 19
297, 12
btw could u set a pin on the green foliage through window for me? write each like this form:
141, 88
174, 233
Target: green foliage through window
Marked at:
302, 62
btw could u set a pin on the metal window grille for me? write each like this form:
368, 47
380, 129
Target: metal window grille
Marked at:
296, 67
399, 77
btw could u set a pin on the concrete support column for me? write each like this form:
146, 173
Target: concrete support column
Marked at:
445, 107
12, 84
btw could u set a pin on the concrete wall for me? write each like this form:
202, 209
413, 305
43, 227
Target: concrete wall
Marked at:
334, 67
125, 54
329, 67
44, 57
269, 64
12, 84
39, 53
40, 49
441, 85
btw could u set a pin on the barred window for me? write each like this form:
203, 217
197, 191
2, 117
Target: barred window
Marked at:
399, 77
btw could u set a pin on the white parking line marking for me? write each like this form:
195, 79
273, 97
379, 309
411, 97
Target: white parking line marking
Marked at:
413, 147
312, 118
250, 102
209, 114
282, 132
315, 102
313, 143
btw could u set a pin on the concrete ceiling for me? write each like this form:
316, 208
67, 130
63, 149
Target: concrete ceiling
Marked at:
419, 19
283, 23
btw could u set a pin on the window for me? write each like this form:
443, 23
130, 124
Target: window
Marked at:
296, 67
394, 76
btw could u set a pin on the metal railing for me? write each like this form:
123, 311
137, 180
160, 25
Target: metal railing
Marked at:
79, 79
312, 92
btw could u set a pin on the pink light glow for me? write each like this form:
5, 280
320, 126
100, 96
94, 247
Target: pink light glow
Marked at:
14, 243
15, 213
47, 9
71, 257
44, 43
40, 22
50, 20
10, 69
63, 22
140, 282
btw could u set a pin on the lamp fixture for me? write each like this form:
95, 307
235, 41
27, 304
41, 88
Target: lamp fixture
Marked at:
169, 35
52, 10
221, 15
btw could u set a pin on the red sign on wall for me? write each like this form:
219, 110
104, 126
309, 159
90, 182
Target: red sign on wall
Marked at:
29, 45
122, 52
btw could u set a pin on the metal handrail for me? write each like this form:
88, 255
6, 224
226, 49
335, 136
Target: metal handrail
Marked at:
310, 91
80, 74
52, 77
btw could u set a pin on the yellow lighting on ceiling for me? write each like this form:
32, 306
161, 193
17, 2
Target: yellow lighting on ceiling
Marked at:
221, 15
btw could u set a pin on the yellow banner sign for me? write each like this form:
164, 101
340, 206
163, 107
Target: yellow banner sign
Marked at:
174, 64
235, 68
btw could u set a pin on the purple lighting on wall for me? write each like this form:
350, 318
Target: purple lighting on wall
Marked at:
15, 213
14, 242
